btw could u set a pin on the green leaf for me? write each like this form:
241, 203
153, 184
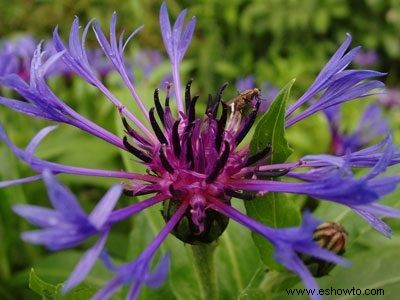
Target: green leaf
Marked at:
50, 291
273, 209
81, 292
271, 129
50, 271
46, 290
254, 294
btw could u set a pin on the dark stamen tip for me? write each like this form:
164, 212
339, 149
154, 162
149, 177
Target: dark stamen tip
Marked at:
127, 192
120, 108
187, 94
144, 191
189, 151
157, 130
220, 164
272, 173
224, 115
242, 195
159, 108
209, 105
213, 103
220, 91
256, 157
247, 126
138, 153
164, 161
192, 109
175, 139
221, 127
214, 110
167, 96
133, 132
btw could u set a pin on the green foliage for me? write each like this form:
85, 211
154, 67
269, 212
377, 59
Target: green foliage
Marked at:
270, 129
54, 292
273, 209
262, 37
274, 40
372, 268
46, 290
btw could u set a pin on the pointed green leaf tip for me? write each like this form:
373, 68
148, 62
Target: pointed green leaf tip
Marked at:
46, 290
271, 129
273, 209
54, 292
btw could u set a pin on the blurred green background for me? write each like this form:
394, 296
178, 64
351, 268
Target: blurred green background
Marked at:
273, 40
265, 38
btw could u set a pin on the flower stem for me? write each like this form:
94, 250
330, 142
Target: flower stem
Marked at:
203, 255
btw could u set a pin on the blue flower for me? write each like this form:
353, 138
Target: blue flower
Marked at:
371, 126
377, 187
288, 243
195, 164
16, 55
366, 58
67, 225
335, 85
137, 272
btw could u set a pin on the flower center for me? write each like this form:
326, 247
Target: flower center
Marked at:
196, 157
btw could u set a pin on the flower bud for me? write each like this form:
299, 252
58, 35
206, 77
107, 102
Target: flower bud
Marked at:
188, 232
330, 236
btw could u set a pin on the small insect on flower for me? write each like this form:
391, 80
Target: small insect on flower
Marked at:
244, 99
241, 105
